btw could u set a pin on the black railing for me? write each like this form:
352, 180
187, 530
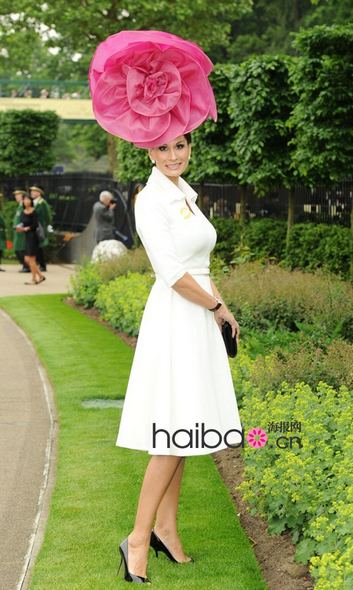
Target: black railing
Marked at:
72, 195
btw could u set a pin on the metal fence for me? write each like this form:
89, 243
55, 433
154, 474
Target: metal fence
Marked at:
319, 205
72, 196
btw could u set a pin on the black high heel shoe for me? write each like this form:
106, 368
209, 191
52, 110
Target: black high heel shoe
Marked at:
129, 577
158, 545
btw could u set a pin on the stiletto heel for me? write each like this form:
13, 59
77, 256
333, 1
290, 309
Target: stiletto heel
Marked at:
121, 561
128, 576
158, 545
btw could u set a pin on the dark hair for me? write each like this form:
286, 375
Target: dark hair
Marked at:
28, 197
188, 137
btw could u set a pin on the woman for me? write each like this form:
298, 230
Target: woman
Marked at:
28, 225
180, 374
151, 88
19, 239
2, 238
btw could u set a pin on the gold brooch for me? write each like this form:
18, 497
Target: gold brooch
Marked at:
185, 212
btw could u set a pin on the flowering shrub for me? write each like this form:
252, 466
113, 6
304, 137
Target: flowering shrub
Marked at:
307, 489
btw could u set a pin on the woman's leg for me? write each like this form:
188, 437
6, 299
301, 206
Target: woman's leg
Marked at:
31, 263
159, 473
36, 269
166, 519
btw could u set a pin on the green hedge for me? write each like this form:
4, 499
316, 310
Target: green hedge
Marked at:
311, 246
85, 284
121, 302
315, 246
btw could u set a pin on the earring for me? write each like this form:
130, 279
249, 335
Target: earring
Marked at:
153, 161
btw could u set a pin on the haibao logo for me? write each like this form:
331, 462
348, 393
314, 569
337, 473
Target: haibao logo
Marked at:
257, 438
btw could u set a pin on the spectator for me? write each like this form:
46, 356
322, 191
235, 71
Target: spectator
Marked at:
2, 238
45, 218
28, 225
19, 239
103, 212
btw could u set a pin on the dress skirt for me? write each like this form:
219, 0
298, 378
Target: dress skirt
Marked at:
180, 384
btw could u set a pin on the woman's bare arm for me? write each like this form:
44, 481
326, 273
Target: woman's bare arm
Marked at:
189, 288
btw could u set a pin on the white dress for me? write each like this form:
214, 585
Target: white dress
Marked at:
180, 384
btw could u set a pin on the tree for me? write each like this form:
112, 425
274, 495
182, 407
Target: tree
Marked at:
27, 141
261, 103
77, 27
213, 157
323, 114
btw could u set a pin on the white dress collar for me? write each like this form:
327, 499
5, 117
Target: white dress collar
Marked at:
172, 191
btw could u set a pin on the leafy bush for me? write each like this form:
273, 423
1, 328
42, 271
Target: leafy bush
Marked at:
267, 296
27, 139
91, 275
302, 360
134, 260
122, 301
307, 489
228, 236
85, 284
305, 360
9, 209
313, 246
266, 238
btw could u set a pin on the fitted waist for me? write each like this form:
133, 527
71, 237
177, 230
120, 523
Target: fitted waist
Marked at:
199, 271
204, 270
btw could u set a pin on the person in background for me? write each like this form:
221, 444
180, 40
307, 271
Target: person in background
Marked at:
19, 240
2, 238
103, 212
28, 225
45, 217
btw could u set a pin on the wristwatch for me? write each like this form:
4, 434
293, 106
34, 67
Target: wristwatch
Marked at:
219, 303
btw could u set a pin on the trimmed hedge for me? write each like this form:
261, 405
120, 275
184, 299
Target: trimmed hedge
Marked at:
311, 246
320, 246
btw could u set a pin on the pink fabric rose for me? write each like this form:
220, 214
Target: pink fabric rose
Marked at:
149, 87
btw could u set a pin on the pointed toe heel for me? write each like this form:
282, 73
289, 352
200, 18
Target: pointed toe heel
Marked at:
157, 544
128, 576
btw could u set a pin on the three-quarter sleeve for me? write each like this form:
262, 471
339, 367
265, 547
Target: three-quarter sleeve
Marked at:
153, 227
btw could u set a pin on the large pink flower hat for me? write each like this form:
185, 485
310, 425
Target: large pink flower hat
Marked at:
149, 87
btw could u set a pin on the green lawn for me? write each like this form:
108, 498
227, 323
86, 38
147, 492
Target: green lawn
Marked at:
97, 485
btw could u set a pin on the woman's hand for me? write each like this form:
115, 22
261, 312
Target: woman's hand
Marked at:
224, 315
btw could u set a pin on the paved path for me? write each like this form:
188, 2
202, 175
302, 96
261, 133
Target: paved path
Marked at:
28, 431
57, 281
28, 426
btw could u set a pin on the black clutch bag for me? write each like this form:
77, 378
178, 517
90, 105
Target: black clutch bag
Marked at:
229, 341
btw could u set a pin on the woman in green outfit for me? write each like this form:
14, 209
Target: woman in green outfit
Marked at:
19, 241
2, 238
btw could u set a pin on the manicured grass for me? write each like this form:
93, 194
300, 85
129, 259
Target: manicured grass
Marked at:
97, 485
